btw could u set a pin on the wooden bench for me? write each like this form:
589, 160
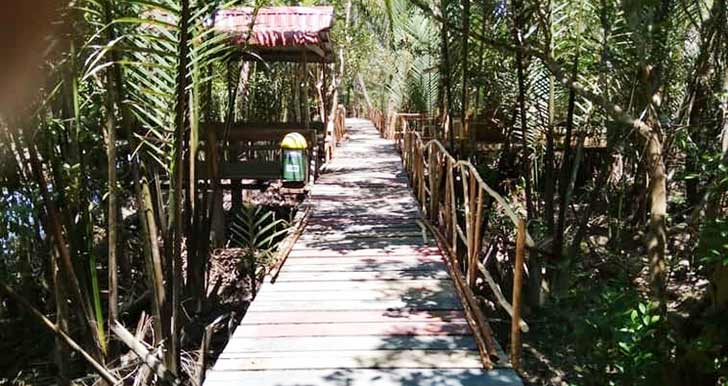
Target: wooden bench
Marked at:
245, 170
260, 139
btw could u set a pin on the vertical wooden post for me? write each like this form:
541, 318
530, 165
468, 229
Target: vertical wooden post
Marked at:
415, 166
517, 281
453, 206
212, 158
434, 187
447, 217
421, 180
478, 222
464, 178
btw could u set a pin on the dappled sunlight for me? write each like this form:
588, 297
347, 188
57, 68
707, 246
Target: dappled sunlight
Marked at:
364, 297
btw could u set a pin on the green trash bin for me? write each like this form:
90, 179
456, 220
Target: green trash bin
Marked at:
294, 158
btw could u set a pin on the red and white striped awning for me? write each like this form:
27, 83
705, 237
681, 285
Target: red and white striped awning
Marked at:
282, 32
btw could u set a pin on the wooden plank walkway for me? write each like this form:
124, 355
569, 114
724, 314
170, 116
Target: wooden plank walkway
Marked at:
364, 298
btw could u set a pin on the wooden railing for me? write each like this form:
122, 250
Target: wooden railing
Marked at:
379, 120
336, 132
464, 212
340, 124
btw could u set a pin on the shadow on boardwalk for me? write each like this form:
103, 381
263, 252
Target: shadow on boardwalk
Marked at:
364, 298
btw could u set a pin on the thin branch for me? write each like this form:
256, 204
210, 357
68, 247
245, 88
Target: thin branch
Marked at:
102, 371
148, 358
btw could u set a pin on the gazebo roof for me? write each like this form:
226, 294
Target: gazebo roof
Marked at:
288, 34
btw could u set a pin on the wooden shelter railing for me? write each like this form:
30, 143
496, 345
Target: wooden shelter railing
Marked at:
464, 212
251, 150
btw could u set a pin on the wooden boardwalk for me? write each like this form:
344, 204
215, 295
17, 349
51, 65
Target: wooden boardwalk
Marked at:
364, 298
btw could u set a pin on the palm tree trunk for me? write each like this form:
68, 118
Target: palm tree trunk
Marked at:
176, 222
61, 352
55, 229
566, 163
525, 153
447, 79
657, 235
481, 56
152, 256
113, 210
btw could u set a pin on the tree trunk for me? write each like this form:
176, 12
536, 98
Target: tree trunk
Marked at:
466, 72
176, 222
481, 56
697, 113
152, 255
566, 166
447, 81
656, 240
113, 210
657, 235
525, 152
364, 90
55, 229
61, 352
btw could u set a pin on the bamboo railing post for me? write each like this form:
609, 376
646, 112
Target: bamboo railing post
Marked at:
465, 179
418, 172
434, 193
448, 216
477, 239
453, 206
438, 182
408, 150
421, 180
471, 224
405, 150
416, 167
517, 281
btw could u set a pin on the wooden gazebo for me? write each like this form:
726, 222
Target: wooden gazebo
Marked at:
250, 150
272, 34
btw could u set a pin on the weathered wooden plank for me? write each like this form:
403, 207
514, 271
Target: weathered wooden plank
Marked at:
346, 260
315, 295
413, 236
363, 250
361, 276
423, 284
444, 302
353, 329
361, 221
362, 200
263, 345
355, 243
400, 316
367, 266
365, 377
396, 213
361, 187
365, 229
382, 359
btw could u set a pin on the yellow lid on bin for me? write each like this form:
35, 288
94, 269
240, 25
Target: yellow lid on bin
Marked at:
294, 141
